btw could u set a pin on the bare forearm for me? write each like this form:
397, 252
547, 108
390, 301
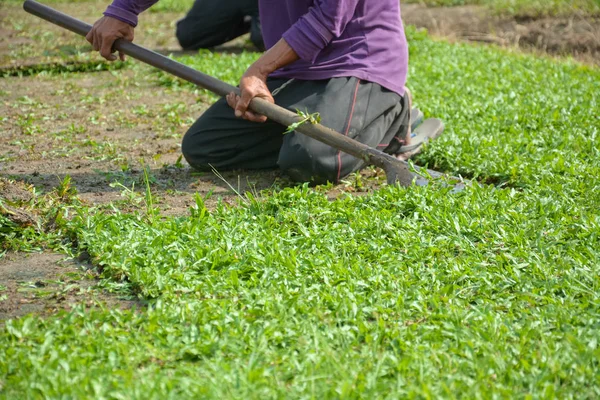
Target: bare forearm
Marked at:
278, 56
254, 81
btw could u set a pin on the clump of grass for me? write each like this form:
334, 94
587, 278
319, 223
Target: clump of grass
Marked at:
36, 222
61, 68
177, 6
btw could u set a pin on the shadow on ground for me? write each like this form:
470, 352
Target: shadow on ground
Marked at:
173, 189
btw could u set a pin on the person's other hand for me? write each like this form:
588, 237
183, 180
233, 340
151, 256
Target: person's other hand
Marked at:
104, 33
253, 84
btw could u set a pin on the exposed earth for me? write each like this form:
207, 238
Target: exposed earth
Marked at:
577, 36
45, 283
103, 128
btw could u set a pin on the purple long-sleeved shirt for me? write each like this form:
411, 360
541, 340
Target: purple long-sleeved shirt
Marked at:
333, 38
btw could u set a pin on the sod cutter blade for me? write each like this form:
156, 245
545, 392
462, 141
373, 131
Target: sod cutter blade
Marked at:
397, 171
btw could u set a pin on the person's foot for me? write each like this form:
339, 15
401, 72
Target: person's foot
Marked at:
416, 136
407, 139
416, 118
430, 129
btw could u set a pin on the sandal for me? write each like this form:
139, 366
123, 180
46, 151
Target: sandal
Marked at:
419, 133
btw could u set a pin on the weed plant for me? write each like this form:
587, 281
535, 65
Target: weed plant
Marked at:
407, 292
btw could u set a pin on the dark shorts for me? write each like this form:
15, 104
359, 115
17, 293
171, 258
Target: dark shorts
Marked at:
361, 110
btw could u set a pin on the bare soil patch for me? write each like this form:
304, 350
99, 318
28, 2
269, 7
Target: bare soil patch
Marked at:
577, 36
29, 40
102, 129
45, 283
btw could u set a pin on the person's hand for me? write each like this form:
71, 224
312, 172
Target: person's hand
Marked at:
253, 84
104, 33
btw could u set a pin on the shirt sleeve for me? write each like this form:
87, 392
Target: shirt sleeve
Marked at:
128, 10
324, 20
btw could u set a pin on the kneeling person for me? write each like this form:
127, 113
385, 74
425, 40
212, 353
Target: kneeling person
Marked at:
345, 59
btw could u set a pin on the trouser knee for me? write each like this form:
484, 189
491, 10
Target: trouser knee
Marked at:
190, 38
201, 153
186, 39
192, 152
181, 38
308, 168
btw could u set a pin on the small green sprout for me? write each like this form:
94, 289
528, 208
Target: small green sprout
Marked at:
313, 118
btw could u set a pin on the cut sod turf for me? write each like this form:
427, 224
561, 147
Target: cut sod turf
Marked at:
488, 293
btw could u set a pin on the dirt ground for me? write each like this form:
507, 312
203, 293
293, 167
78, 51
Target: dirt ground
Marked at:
44, 283
93, 128
577, 36
25, 39
103, 128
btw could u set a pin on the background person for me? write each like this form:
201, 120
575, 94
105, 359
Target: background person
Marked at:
210, 23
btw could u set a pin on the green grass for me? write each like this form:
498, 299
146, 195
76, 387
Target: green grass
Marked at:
541, 8
492, 292
521, 8
61, 68
181, 6
444, 3
526, 8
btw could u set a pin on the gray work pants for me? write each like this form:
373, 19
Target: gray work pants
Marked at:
361, 110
